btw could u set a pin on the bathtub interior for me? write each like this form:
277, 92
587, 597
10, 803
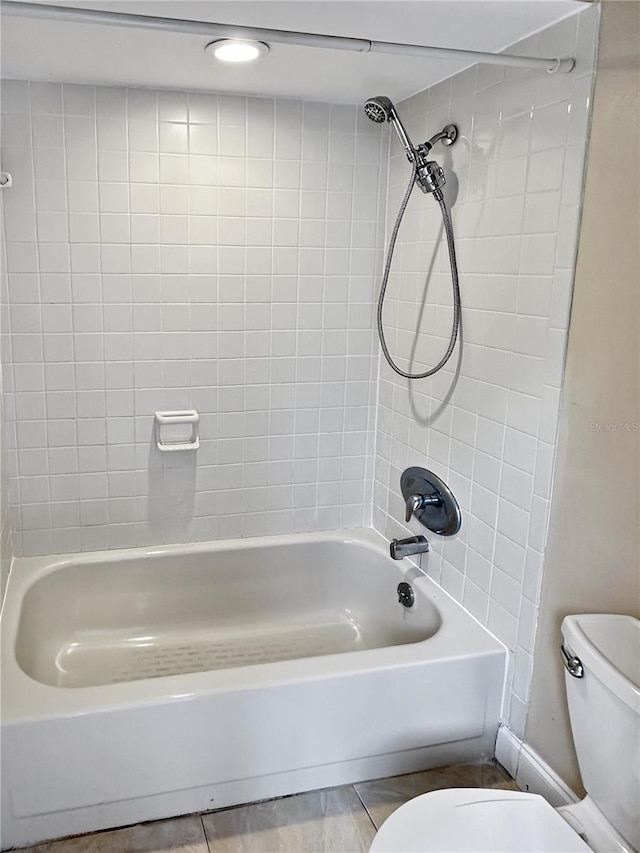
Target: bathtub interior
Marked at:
86, 624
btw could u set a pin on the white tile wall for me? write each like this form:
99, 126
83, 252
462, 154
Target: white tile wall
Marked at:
169, 250
487, 422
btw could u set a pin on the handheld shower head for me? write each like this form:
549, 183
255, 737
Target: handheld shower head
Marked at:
380, 109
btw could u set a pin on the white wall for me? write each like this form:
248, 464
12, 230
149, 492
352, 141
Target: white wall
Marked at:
487, 424
593, 557
5, 524
171, 250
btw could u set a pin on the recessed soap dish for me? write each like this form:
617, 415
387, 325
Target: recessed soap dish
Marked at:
177, 430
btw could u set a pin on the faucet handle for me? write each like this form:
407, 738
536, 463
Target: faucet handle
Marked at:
413, 504
416, 502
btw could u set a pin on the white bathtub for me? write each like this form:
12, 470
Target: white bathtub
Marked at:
150, 683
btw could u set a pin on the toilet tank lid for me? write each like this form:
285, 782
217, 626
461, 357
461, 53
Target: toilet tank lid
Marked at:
608, 644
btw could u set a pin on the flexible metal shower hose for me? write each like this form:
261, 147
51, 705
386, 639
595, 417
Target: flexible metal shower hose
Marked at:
454, 281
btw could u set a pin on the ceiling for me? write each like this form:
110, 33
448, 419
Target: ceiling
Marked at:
36, 49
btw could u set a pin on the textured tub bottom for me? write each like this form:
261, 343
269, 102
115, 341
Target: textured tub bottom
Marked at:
92, 660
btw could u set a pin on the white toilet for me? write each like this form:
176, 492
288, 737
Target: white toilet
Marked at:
602, 657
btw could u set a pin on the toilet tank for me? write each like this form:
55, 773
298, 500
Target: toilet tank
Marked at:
604, 707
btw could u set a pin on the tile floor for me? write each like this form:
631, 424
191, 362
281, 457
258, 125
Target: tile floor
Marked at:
334, 820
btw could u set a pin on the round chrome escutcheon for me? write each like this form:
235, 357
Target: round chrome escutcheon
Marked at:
443, 516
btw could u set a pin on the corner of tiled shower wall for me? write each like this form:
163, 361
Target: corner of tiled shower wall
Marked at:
487, 423
171, 250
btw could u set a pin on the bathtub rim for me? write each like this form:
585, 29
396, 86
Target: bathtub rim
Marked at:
24, 698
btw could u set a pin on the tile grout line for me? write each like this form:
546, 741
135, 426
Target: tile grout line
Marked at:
364, 806
204, 832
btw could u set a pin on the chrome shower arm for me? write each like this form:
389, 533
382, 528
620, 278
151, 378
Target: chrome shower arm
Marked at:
447, 136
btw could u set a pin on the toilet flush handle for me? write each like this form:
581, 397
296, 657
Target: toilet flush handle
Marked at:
572, 663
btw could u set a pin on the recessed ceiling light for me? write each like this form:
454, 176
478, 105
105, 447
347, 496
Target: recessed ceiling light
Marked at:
237, 50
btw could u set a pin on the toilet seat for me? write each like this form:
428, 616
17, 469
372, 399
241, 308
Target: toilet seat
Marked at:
477, 820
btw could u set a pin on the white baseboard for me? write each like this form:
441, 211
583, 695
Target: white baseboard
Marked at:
530, 772
508, 748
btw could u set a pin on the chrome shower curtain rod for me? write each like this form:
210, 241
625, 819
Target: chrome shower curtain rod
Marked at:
211, 30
